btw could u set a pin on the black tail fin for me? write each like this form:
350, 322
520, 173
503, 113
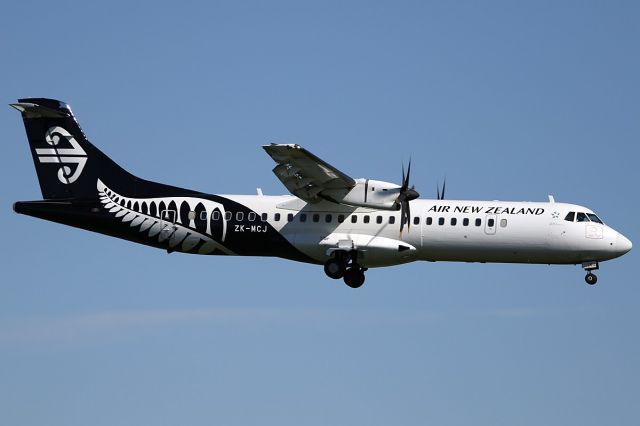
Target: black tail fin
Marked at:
68, 166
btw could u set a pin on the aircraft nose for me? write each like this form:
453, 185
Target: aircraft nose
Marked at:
623, 245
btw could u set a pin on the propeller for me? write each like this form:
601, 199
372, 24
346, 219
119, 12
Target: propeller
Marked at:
406, 194
438, 194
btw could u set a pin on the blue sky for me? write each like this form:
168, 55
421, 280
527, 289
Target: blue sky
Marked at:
508, 100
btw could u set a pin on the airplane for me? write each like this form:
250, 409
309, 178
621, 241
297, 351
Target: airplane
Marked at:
347, 225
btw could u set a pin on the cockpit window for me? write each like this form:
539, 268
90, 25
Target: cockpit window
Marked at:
570, 216
594, 218
582, 217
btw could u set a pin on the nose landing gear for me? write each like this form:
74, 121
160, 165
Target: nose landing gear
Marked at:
344, 265
590, 278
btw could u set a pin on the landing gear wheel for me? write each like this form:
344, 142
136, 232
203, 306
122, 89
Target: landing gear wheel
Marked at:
335, 268
354, 277
591, 279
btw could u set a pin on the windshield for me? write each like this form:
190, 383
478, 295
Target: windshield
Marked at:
594, 218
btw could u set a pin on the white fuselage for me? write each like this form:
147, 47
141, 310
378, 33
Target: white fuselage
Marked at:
440, 230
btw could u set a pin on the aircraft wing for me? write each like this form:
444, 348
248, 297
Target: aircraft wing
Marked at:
305, 175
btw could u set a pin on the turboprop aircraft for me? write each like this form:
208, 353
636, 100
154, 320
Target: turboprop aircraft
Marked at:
331, 219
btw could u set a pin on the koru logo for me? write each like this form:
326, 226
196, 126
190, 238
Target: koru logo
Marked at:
74, 155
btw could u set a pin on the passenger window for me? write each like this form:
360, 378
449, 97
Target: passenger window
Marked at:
429, 220
503, 223
203, 215
215, 215
454, 221
227, 215
264, 217
379, 219
354, 218
316, 217
465, 221
239, 216
340, 218
328, 218
416, 220
570, 216
290, 217
303, 217
392, 220
252, 216
276, 217
594, 218
491, 223
366, 218
478, 222
191, 215
441, 221
581, 217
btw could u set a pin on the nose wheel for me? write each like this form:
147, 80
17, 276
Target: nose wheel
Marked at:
590, 278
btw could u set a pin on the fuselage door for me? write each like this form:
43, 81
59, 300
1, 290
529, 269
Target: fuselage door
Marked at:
490, 224
168, 223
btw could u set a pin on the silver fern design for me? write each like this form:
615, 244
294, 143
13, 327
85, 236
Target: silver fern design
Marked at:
182, 223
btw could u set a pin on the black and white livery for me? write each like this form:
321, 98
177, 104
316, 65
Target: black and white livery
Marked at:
331, 219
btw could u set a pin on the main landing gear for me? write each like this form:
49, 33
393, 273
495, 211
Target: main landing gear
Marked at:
590, 278
344, 265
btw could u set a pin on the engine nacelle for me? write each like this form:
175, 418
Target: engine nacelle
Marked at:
368, 193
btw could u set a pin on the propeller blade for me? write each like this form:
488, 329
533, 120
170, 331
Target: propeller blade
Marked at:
438, 191
405, 184
444, 185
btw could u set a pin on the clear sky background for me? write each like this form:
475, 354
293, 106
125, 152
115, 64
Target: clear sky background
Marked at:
509, 100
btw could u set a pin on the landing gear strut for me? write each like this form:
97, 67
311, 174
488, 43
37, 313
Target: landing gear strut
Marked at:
344, 265
590, 278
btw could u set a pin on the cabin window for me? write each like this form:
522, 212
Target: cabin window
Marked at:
239, 216
379, 219
340, 218
203, 215
570, 217
276, 217
316, 217
366, 218
416, 220
441, 221
594, 218
478, 221
465, 221
392, 220
264, 217
290, 217
429, 220
503, 223
454, 221
191, 215
328, 218
581, 217
252, 216
227, 215
491, 223
354, 218
303, 217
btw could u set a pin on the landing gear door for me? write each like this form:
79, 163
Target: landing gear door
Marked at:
490, 224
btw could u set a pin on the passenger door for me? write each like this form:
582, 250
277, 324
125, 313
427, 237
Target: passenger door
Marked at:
490, 224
